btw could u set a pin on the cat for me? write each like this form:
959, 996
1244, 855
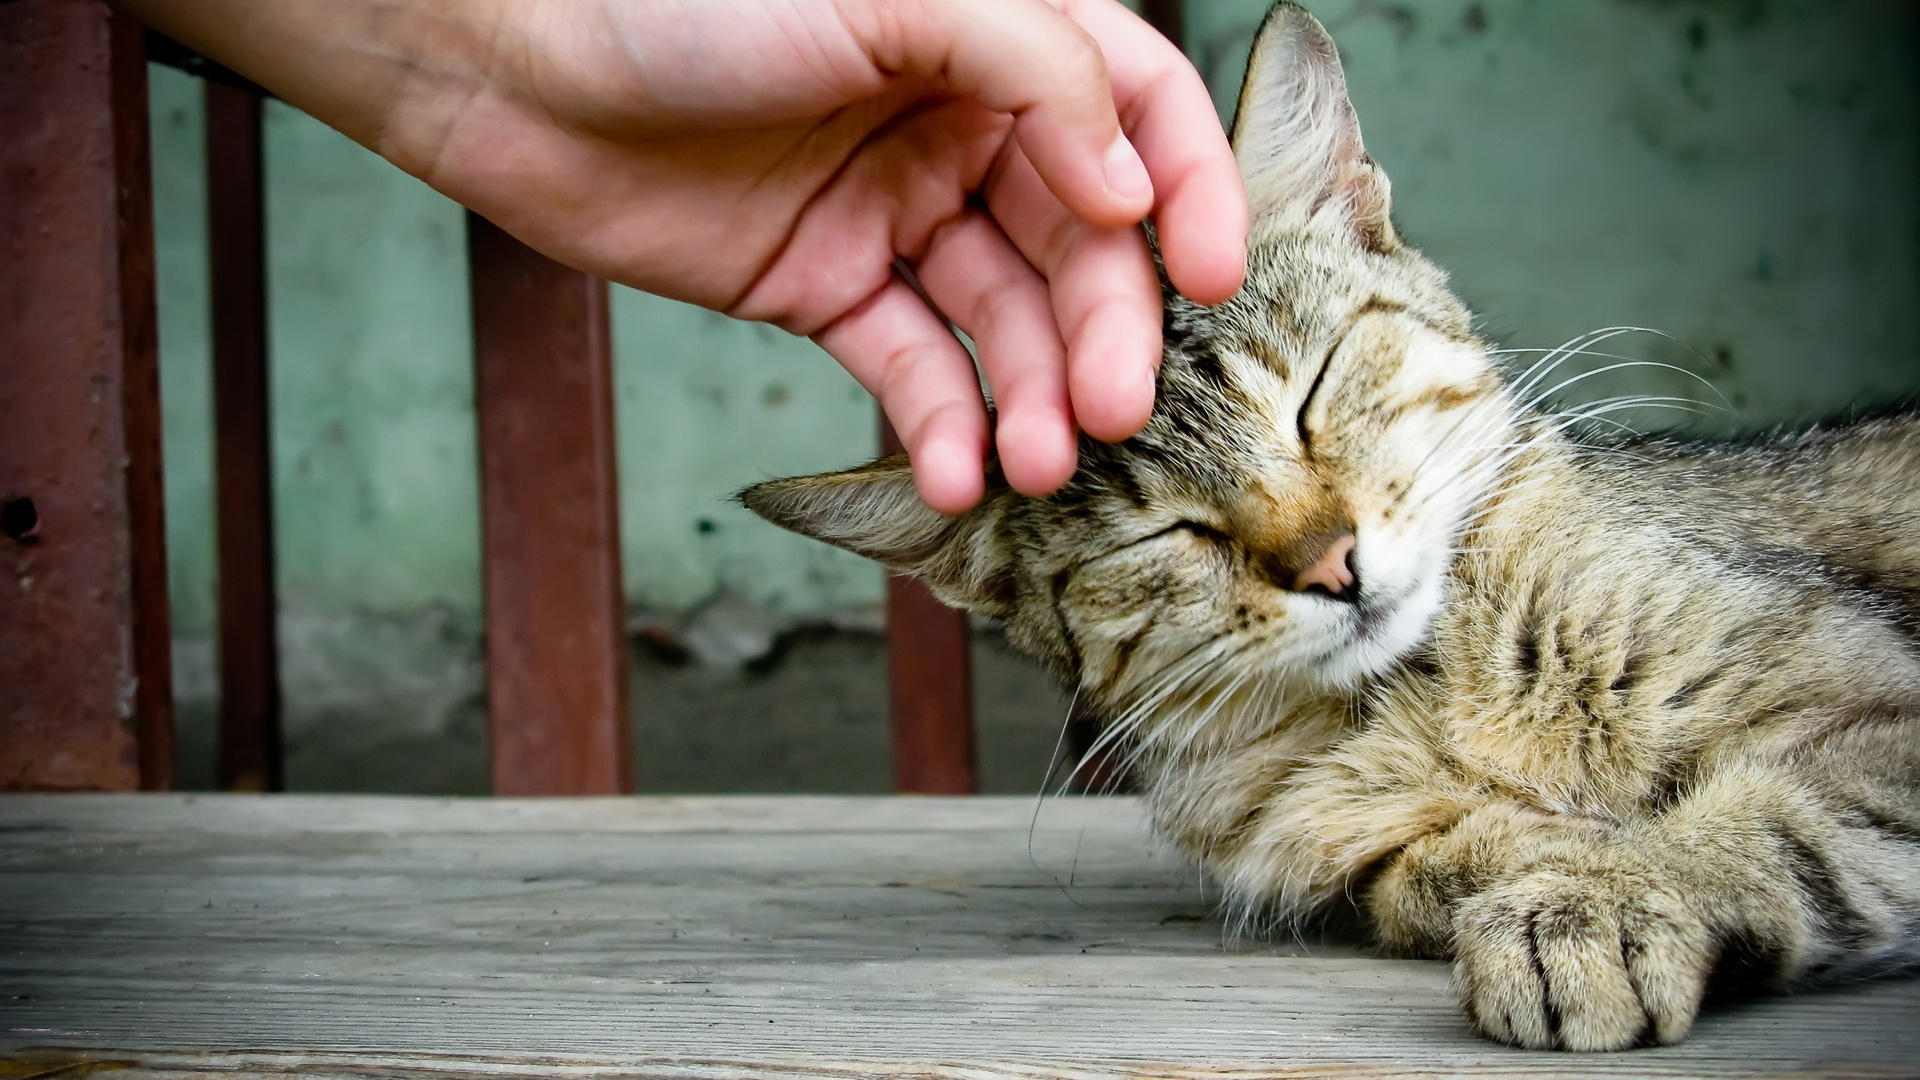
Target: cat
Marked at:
1599, 723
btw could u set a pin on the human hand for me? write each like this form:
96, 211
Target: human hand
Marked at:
772, 158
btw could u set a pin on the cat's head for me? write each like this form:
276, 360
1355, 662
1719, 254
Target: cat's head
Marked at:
1316, 449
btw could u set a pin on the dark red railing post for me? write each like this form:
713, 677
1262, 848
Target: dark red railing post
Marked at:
249, 749
86, 692
929, 684
556, 642
1167, 17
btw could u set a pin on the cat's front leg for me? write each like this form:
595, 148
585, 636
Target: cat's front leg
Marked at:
1595, 949
1573, 934
1562, 934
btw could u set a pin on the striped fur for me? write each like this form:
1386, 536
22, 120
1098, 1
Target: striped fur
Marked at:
1602, 722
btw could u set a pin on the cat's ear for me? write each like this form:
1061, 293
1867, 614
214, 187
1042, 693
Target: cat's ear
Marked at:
1296, 137
874, 511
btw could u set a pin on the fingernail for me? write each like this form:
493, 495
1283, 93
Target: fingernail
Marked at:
1150, 381
1126, 176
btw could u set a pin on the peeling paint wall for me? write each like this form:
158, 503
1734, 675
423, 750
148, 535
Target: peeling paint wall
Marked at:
1738, 174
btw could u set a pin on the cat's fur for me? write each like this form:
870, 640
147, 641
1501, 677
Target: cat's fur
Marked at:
1595, 723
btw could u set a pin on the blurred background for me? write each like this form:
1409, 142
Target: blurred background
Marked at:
1737, 174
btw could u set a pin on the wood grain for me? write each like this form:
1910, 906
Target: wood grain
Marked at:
172, 936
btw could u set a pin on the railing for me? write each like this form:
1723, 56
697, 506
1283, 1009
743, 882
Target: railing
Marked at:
85, 682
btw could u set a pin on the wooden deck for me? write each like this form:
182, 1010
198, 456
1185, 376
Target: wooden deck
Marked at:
150, 936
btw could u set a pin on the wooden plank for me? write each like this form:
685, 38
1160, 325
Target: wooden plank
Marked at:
86, 695
556, 647
1121, 819
249, 744
171, 936
929, 684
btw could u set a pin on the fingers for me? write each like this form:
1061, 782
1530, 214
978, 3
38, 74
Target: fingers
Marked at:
1201, 203
904, 355
981, 282
1104, 297
1025, 58
1109, 309
887, 199
1066, 194
1071, 78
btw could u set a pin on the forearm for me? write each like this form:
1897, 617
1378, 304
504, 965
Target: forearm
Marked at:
384, 72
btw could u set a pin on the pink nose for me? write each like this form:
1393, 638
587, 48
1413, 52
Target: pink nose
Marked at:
1332, 571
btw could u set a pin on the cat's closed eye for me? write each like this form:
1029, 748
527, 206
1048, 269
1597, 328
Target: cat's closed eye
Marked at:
1203, 531
1306, 404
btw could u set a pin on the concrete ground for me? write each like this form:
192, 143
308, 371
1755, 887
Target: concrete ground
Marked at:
809, 716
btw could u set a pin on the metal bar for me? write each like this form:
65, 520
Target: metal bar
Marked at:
249, 751
929, 683
162, 49
1093, 772
556, 645
1167, 17
86, 696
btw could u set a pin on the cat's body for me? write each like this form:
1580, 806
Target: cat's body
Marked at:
1594, 721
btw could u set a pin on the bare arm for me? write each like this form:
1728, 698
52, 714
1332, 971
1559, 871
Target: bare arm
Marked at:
772, 158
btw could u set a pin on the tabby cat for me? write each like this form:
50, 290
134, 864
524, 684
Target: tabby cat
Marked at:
1599, 723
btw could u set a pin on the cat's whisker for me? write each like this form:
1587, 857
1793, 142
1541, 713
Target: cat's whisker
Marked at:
1523, 391
1203, 721
1485, 464
1053, 766
1171, 676
1508, 487
1630, 401
1207, 693
1491, 501
1579, 344
1149, 699
1627, 364
1599, 412
1566, 348
1490, 463
1494, 412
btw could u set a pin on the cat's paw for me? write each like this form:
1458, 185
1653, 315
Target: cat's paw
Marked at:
1562, 960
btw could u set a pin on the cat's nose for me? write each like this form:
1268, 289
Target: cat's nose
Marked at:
1332, 574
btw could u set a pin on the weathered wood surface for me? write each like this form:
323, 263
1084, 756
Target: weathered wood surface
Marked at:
162, 936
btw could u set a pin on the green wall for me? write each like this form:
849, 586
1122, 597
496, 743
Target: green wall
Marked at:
1739, 174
